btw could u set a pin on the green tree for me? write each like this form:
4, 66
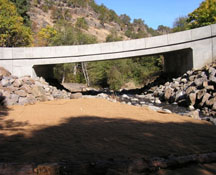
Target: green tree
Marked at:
113, 36
163, 29
125, 19
22, 8
12, 30
204, 15
47, 36
81, 23
180, 24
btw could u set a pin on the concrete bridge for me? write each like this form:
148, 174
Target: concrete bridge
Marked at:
182, 51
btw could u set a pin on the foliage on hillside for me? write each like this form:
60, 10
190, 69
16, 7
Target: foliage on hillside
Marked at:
12, 30
204, 15
22, 7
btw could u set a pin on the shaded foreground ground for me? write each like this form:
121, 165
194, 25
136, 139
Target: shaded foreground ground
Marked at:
96, 129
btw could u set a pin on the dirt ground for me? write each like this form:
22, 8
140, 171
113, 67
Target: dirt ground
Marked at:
96, 129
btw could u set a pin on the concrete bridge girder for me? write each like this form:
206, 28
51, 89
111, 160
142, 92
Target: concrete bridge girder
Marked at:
182, 51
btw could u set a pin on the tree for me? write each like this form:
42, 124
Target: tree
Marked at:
81, 23
180, 24
204, 15
125, 19
22, 8
138, 22
113, 36
13, 33
163, 29
47, 36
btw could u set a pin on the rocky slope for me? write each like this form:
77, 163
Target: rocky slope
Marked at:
44, 12
26, 90
41, 18
195, 90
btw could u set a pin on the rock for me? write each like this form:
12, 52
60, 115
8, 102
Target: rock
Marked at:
21, 93
189, 72
201, 93
76, 96
125, 96
212, 80
13, 99
157, 101
191, 108
102, 95
167, 84
205, 98
212, 71
38, 91
26, 88
213, 120
23, 101
168, 93
205, 84
179, 95
211, 88
164, 111
192, 98
129, 103
210, 101
192, 78
194, 114
184, 80
175, 85
190, 89
214, 106
5, 82
134, 99
17, 83
198, 82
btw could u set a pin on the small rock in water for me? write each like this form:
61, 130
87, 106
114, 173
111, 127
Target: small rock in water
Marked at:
129, 103
102, 95
165, 111
125, 96
157, 101
191, 108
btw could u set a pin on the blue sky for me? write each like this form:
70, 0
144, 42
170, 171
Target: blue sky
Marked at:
153, 12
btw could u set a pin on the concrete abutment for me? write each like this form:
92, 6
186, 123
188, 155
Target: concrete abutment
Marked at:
178, 62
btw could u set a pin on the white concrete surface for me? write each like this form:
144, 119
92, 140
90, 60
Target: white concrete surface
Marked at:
202, 41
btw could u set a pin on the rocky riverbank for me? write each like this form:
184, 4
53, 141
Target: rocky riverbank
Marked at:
195, 90
26, 90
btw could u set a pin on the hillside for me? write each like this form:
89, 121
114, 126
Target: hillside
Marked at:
100, 20
74, 22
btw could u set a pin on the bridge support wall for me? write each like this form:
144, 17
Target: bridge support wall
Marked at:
178, 62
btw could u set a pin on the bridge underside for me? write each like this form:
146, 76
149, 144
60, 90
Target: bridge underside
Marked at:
175, 63
178, 62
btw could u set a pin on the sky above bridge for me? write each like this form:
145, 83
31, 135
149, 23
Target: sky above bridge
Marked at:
153, 12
